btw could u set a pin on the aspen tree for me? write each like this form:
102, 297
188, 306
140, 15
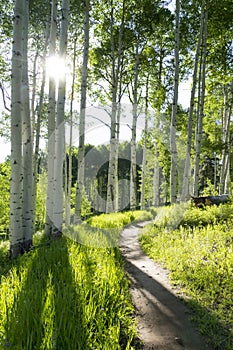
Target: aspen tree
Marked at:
144, 157
81, 151
187, 170
69, 171
60, 129
173, 147
28, 190
16, 230
133, 169
51, 122
200, 111
116, 72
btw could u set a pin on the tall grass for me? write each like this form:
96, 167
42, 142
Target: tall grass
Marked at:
103, 231
119, 220
199, 254
63, 295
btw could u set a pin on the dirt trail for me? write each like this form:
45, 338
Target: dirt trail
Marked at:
163, 319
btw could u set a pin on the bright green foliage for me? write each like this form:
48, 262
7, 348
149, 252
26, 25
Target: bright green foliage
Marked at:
103, 231
199, 255
86, 205
119, 220
4, 198
63, 295
41, 202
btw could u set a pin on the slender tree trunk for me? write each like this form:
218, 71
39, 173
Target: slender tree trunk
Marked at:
69, 175
156, 179
120, 65
225, 182
200, 115
117, 155
16, 232
133, 168
112, 181
144, 157
60, 129
81, 151
173, 147
27, 214
51, 123
33, 97
187, 170
157, 168
156, 175
112, 187
37, 124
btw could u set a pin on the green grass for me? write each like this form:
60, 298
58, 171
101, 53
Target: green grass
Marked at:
199, 254
103, 231
67, 295
119, 220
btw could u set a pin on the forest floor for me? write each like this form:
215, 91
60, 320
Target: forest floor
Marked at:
163, 319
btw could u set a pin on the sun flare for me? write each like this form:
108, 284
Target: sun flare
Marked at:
55, 67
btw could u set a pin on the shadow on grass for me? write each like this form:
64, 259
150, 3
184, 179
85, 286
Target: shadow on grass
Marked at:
220, 337
46, 312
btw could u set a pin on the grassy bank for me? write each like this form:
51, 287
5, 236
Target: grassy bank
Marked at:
198, 250
66, 295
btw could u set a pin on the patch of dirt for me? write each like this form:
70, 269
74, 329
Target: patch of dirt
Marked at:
163, 320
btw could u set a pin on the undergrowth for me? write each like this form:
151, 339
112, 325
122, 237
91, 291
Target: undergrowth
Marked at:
65, 295
198, 250
119, 220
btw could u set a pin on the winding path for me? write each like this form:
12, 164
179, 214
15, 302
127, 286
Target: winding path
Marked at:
163, 319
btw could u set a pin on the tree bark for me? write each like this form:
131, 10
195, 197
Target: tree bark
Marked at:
200, 115
81, 151
144, 156
173, 147
187, 170
133, 169
60, 129
51, 124
37, 124
16, 232
28, 193
112, 187
112, 181
225, 182
69, 172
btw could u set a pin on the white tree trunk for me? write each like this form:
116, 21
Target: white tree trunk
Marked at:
28, 193
156, 180
225, 182
51, 124
144, 156
37, 126
81, 151
156, 175
69, 174
187, 170
112, 186
133, 169
33, 95
112, 181
16, 232
60, 129
200, 114
173, 147
133, 163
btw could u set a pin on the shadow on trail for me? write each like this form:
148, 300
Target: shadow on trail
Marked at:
166, 312
46, 312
